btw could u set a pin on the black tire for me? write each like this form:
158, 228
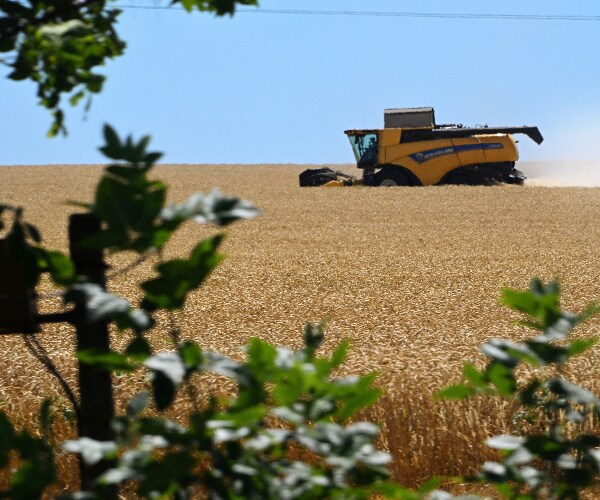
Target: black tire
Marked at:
390, 177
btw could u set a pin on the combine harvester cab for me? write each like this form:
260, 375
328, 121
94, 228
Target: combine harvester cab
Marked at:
413, 151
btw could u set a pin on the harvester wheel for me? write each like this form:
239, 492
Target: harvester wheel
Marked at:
390, 176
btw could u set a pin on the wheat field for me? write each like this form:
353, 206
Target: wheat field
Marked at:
411, 276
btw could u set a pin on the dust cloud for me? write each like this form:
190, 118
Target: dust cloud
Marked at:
561, 173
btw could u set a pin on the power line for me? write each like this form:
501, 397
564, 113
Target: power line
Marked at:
423, 15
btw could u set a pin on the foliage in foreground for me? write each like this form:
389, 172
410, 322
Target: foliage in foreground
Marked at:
552, 457
282, 436
285, 434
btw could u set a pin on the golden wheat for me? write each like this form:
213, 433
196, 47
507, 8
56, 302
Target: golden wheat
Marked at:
411, 276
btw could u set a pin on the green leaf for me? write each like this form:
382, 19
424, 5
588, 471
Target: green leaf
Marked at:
362, 395
546, 353
113, 143
473, 375
526, 302
340, 354
218, 7
540, 301
528, 395
456, 391
178, 277
107, 360
261, 358
139, 349
61, 268
75, 98
545, 447
191, 355
502, 378
579, 346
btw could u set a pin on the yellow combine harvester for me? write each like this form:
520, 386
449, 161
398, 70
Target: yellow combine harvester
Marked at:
413, 151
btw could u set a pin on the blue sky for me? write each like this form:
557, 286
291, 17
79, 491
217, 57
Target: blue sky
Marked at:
273, 88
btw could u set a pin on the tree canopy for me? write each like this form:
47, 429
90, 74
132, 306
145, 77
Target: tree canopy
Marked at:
60, 46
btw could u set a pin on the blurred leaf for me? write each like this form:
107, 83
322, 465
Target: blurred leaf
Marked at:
169, 364
113, 147
223, 365
314, 334
219, 7
100, 305
107, 360
580, 346
139, 349
361, 395
505, 442
456, 391
545, 447
473, 375
33, 233
502, 378
340, 353
494, 472
163, 390
527, 395
261, 358
176, 278
213, 208
498, 351
91, 451
191, 355
137, 404
573, 393
540, 301
61, 268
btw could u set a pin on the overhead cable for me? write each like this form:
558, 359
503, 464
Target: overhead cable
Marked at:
426, 15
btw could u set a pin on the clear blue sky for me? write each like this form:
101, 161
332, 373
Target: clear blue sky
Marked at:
274, 88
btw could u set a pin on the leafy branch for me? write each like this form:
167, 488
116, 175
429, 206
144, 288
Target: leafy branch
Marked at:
556, 459
60, 45
286, 401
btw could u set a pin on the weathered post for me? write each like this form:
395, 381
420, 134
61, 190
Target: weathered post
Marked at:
18, 309
95, 386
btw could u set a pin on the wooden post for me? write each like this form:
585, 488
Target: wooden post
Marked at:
95, 385
18, 308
